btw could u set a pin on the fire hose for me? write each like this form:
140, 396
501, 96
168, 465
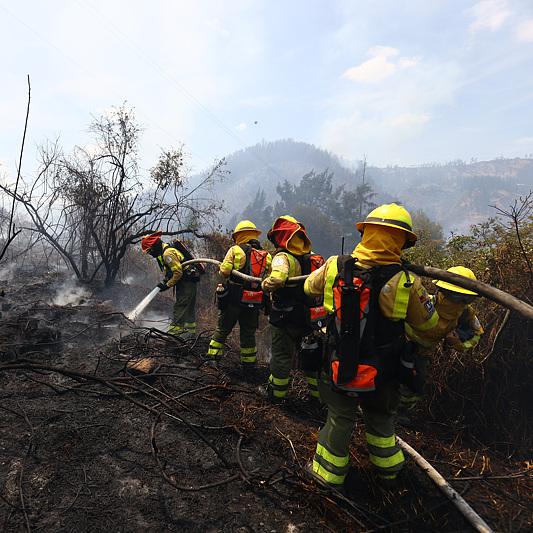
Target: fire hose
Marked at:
492, 293
477, 522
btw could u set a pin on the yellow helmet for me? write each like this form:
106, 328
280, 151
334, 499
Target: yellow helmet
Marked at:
247, 230
462, 271
393, 216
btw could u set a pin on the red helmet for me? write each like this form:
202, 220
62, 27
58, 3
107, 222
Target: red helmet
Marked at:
148, 241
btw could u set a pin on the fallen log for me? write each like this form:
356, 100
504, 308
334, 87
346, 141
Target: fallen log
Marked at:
492, 293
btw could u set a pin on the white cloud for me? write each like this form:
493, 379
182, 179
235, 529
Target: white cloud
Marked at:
241, 127
488, 15
524, 32
381, 65
387, 120
410, 119
524, 141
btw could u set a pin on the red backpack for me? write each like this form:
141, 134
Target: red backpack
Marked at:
364, 345
256, 266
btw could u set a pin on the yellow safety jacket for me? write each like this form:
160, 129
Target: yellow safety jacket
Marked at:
235, 259
170, 263
284, 265
458, 323
396, 300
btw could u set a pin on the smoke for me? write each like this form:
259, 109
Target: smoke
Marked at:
70, 294
156, 320
7, 272
129, 280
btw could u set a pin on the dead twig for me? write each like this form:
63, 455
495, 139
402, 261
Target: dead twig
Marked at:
245, 476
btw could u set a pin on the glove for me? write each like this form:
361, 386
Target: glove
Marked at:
453, 340
162, 286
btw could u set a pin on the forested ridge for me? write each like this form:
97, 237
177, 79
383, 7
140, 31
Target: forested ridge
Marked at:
456, 194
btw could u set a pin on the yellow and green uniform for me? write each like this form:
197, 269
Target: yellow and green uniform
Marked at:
399, 300
286, 337
458, 325
184, 314
247, 317
453, 316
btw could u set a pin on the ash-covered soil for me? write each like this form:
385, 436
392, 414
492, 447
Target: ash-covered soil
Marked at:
86, 446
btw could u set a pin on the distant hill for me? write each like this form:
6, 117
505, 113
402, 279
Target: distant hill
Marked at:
265, 165
456, 194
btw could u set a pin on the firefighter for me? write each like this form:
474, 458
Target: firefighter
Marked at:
292, 314
238, 301
370, 297
458, 326
169, 258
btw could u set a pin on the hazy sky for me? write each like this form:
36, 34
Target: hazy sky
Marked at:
403, 81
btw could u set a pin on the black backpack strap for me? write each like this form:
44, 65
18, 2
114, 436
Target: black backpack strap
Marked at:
247, 249
349, 341
197, 269
187, 256
305, 263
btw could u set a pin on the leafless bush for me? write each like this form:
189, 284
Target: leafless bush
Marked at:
92, 204
486, 391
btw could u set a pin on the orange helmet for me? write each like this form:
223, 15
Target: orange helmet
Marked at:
148, 241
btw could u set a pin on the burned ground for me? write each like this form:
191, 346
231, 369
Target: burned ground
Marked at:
85, 446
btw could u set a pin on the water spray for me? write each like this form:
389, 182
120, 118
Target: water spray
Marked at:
133, 315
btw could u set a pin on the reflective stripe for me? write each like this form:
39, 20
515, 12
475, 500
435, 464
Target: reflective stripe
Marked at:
190, 326
249, 355
388, 476
407, 364
249, 350
292, 264
175, 327
331, 275
411, 398
401, 299
215, 348
393, 221
276, 274
327, 476
226, 265
278, 386
387, 462
312, 381
470, 343
333, 459
282, 382
314, 393
239, 258
411, 333
380, 442
430, 323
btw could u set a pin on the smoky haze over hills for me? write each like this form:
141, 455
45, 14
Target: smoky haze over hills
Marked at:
455, 194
